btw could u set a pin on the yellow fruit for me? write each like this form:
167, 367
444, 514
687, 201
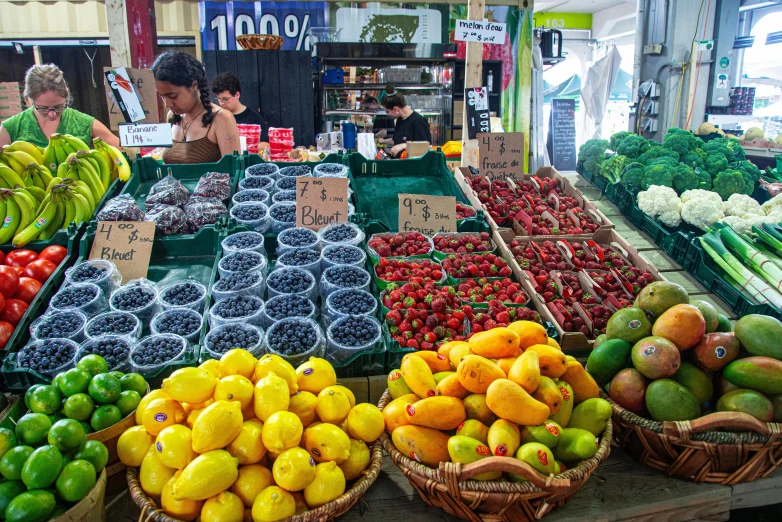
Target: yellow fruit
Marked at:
552, 361
451, 387
213, 367
418, 377
251, 481
506, 364
583, 385
315, 374
235, 388
440, 413
175, 446
394, 413
301, 504
397, 385
142, 406
293, 470
474, 429
439, 376
282, 368
346, 391
249, 412
436, 361
272, 504
200, 406
425, 445
326, 443
192, 417
526, 371
476, 408
365, 422
504, 438
223, 507
208, 475
548, 393
466, 450
529, 333
133, 445
476, 373
248, 446
179, 509
153, 474
445, 349
332, 406
271, 395
217, 426
328, 484
303, 405
495, 343
458, 353
237, 362
554, 344
509, 401
191, 385
162, 413
358, 460
282, 430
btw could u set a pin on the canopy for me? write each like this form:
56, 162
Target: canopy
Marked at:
570, 88
623, 87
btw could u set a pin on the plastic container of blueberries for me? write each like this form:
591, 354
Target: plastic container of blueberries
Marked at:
313, 267
295, 360
285, 183
108, 282
260, 264
311, 292
228, 249
292, 171
284, 196
320, 169
268, 320
77, 336
327, 288
326, 263
145, 313
254, 195
50, 373
355, 241
127, 342
283, 247
154, 327
256, 349
91, 308
252, 182
279, 226
331, 313
135, 333
153, 369
197, 305
259, 225
340, 354
255, 318
257, 289
265, 169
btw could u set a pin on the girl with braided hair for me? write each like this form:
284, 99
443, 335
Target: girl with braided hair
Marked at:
202, 132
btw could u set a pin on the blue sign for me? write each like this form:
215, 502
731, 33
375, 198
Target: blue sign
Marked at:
222, 22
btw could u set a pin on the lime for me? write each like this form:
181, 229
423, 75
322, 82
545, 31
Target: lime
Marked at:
31, 506
13, 461
32, 429
29, 393
105, 416
104, 388
45, 399
79, 407
117, 374
76, 480
94, 364
128, 402
56, 380
95, 453
66, 458
7, 441
86, 426
67, 435
135, 382
8, 491
42, 468
74, 381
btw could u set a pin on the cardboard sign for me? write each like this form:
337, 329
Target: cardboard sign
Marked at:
501, 154
416, 149
477, 111
145, 135
475, 31
143, 81
127, 244
321, 201
428, 215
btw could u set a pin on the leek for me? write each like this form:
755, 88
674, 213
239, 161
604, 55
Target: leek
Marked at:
752, 257
774, 244
768, 253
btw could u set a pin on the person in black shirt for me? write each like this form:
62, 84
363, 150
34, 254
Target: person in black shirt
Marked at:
410, 126
382, 124
228, 91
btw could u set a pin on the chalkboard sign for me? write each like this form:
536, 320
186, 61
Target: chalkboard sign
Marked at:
477, 111
563, 132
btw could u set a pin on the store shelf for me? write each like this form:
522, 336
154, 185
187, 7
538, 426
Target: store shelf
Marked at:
726, 119
359, 86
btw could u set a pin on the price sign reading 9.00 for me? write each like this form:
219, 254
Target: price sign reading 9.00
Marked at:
321, 201
428, 215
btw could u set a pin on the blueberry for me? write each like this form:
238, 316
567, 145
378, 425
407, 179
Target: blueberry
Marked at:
288, 305
346, 276
354, 330
74, 296
182, 294
257, 195
237, 281
285, 184
86, 272
292, 337
330, 169
46, 355
243, 241
157, 349
290, 280
242, 262
249, 211
284, 196
343, 254
295, 171
133, 298
116, 323
62, 324
236, 307
261, 182
284, 212
112, 348
352, 302
299, 257
232, 335
180, 322
262, 169
340, 233
297, 237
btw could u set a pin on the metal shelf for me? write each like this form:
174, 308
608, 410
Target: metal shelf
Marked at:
367, 113
360, 86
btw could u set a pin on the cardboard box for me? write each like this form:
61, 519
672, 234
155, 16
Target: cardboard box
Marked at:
457, 135
458, 112
10, 100
416, 149
461, 177
144, 81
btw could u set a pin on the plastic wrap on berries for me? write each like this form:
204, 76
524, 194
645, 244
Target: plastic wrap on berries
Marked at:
169, 220
179, 321
103, 273
284, 196
292, 280
252, 195
292, 238
343, 276
349, 301
114, 348
342, 234
86, 298
283, 215
331, 170
48, 356
242, 262
139, 297
260, 182
241, 283
121, 208
306, 259
183, 294
262, 169
284, 184
65, 325
295, 340
244, 309
200, 211
288, 305
214, 185
114, 323
295, 171
168, 191
350, 335
252, 215
154, 352
342, 255
234, 335
244, 241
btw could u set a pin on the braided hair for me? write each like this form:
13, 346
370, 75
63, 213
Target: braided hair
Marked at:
181, 69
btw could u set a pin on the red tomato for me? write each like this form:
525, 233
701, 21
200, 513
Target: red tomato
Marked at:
20, 257
54, 253
40, 269
13, 311
6, 330
2, 258
28, 289
9, 280
18, 269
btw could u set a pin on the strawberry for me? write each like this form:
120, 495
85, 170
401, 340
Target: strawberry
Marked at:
393, 318
411, 343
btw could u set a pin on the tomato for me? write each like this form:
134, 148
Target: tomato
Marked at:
28, 289
2, 258
9, 280
18, 269
21, 257
13, 311
40, 269
6, 330
54, 253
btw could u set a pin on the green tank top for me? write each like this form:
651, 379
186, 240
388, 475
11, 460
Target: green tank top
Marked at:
24, 127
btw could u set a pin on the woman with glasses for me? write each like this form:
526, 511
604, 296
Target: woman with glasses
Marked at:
45, 89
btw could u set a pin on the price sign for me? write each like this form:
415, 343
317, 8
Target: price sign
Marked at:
476, 31
502, 154
127, 244
428, 215
321, 201
145, 134
477, 111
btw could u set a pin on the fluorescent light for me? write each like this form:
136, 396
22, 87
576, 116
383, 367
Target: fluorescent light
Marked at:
759, 5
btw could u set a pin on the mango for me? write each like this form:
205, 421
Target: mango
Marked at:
526, 371
563, 416
507, 400
395, 414
476, 408
503, 438
682, 324
591, 415
759, 373
715, 351
495, 343
474, 429
440, 413
445, 348
538, 457
548, 393
476, 373
722, 386
655, 357
667, 400
657, 297
584, 386
467, 450
747, 401
575, 445
600, 339
418, 377
776, 402
760, 335
506, 363
607, 358
553, 343
552, 361
424, 445
451, 387
628, 390
710, 314
439, 376
561, 466
697, 382
546, 434
397, 385
529, 333
435, 361
629, 324
458, 353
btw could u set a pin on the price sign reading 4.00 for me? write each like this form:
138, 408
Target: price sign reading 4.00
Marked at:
502, 155
428, 215
127, 244
321, 201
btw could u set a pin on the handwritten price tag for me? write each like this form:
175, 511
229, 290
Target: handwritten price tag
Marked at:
145, 134
321, 201
428, 215
127, 244
502, 154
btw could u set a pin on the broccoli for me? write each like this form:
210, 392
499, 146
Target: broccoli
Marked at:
664, 160
738, 151
592, 153
660, 174
718, 147
633, 146
611, 168
657, 151
684, 178
692, 159
704, 179
747, 167
714, 164
727, 183
681, 141
617, 138
749, 184
633, 175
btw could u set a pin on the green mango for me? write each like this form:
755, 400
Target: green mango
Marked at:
546, 434
562, 417
467, 450
575, 445
591, 415
607, 359
759, 373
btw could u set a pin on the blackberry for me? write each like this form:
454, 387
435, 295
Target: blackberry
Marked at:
132, 298
287, 305
255, 195
242, 261
344, 255
243, 241
342, 233
60, 324
249, 211
116, 323
284, 212
292, 336
352, 302
260, 182
297, 237
284, 196
182, 294
113, 348
327, 170
180, 322
75, 296
290, 280
237, 281
285, 184
47, 355
346, 276
299, 257
158, 349
237, 307
233, 335
354, 331
86, 273
295, 171
262, 169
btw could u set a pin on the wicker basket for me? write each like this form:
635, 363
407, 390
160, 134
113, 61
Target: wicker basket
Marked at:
151, 512
260, 42
451, 489
695, 451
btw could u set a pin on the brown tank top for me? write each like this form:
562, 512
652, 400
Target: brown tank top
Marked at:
201, 150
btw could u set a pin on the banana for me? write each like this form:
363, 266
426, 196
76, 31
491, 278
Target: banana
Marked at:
74, 142
79, 187
56, 224
63, 170
36, 226
49, 157
67, 148
100, 146
28, 148
45, 175
90, 177
70, 209
104, 170
26, 208
59, 151
11, 221
123, 167
81, 207
37, 193
45, 200
54, 182
11, 162
37, 182
21, 156
10, 176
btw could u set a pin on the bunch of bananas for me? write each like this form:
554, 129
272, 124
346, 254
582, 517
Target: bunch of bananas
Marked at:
63, 145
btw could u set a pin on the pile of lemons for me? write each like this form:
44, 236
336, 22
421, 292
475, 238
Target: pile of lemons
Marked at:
243, 438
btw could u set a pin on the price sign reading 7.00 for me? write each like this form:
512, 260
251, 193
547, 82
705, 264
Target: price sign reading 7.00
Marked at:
321, 201
428, 215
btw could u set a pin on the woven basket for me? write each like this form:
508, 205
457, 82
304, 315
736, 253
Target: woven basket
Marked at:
260, 42
695, 451
151, 512
451, 489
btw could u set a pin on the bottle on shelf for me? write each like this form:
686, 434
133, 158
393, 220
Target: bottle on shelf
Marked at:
490, 82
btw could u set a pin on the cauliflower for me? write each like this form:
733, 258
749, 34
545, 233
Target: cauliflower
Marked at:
773, 205
701, 212
708, 195
661, 203
743, 206
739, 225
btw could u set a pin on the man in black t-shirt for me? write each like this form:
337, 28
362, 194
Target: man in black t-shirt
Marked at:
228, 91
410, 126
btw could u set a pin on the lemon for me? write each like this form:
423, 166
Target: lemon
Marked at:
315, 374
235, 388
153, 474
326, 443
248, 413
198, 406
293, 470
208, 475
186, 510
328, 484
332, 406
282, 368
358, 460
301, 504
348, 392
365, 422
271, 456
271, 395
213, 367
160, 414
248, 446
303, 405
251, 481
237, 362
282, 430
133, 444
191, 385
175, 446
192, 417
145, 400
217, 426
224, 507
273, 503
